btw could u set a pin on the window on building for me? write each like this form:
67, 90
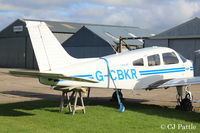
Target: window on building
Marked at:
170, 58
153, 60
138, 62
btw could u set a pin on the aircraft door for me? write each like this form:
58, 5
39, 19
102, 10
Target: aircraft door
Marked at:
150, 72
173, 66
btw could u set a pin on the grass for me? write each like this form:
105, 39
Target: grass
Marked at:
101, 116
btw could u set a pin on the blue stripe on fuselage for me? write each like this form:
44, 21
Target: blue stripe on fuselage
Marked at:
162, 71
191, 68
126, 74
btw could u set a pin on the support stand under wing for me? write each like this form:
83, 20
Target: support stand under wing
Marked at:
66, 100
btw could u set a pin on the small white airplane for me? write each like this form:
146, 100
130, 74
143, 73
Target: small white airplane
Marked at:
147, 68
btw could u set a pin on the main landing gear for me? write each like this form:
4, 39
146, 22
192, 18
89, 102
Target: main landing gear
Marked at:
186, 103
114, 96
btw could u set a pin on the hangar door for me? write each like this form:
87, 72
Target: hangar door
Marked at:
158, 42
12, 52
187, 48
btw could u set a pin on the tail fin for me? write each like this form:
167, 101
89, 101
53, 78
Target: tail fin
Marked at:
50, 55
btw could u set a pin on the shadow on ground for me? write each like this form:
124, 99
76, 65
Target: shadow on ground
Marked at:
135, 105
154, 110
31, 94
16, 109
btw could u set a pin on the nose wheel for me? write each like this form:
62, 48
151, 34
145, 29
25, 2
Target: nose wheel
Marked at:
186, 103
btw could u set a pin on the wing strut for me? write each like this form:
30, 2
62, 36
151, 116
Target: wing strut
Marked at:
122, 108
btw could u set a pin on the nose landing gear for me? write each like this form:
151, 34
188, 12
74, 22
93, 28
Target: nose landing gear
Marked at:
186, 103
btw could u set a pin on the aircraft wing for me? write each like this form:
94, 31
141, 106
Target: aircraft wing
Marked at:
48, 75
175, 82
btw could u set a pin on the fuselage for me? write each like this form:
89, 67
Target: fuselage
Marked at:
129, 70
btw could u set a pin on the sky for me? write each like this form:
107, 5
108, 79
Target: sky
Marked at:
148, 14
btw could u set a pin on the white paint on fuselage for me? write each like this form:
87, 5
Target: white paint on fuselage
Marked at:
124, 74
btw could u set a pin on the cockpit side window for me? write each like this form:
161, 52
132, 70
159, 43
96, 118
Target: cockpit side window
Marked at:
138, 62
170, 58
153, 60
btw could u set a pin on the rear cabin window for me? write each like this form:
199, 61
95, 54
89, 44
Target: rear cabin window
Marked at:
153, 60
138, 62
170, 58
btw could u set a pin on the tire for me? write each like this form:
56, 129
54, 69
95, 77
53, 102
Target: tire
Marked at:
114, 96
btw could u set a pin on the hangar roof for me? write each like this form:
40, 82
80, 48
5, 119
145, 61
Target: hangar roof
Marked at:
71, 27
109, 33
100, 29
62, 27
189, 29
112, 33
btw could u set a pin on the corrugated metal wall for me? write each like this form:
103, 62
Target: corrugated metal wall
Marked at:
88, 52
30, 56
187, 48
12, 54
197, 64
151, 42
16, 50
86, 44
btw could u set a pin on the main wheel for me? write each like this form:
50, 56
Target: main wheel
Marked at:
114, 96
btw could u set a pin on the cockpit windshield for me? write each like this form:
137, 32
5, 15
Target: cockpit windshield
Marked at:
182, 58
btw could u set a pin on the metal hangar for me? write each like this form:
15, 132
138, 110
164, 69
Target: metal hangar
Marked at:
184, 38
79, 39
